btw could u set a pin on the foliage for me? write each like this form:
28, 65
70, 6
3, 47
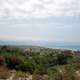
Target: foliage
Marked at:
12, 62
40, 62
27, 67
62, 59
2, 60
54, 74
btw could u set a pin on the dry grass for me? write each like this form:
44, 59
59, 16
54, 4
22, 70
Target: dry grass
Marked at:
20, 74
4, 72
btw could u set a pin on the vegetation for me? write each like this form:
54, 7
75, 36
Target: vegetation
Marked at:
40, 62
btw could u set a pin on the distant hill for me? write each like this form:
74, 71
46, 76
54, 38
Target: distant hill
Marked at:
30, 43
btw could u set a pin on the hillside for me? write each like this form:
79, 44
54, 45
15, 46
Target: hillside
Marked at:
34, 63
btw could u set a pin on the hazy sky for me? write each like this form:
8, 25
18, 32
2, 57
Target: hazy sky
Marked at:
43, 20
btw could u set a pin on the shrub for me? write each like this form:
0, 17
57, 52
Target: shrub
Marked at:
2, 60
54, 74
27, 67
61, 59
12, 62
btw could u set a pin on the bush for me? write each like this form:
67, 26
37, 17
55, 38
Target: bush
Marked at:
54, 74
2, 60
27, 67
40, 69
39, 73
61, 59
12, 62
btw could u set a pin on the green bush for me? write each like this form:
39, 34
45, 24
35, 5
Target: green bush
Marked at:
54, 74
27, 67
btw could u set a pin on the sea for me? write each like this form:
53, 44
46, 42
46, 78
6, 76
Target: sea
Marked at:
57, 45
71, 47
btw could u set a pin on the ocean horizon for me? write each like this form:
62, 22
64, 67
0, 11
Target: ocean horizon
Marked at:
75, 47
47, 44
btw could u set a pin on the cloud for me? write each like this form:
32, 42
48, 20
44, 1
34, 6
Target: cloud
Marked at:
49, 28
39, 8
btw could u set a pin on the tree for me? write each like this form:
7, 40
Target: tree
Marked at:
61, 59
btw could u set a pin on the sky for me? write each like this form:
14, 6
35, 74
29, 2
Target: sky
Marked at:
40, 20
